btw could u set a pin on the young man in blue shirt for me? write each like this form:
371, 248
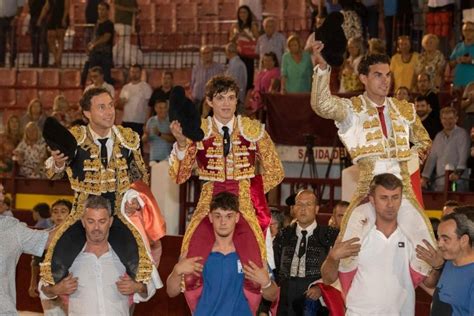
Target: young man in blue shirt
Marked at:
223, 274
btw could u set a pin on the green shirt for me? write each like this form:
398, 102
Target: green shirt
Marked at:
125, 17
298, 75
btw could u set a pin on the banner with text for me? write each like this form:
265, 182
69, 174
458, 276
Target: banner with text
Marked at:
321, 154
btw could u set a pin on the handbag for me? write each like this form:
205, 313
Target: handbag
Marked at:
247, 47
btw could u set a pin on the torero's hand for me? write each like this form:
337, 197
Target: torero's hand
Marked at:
317, 47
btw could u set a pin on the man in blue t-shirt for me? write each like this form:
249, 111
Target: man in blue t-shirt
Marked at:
454, 293
223, 274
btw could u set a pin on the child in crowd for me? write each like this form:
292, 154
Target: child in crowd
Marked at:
5, 207
59, 212
41, 215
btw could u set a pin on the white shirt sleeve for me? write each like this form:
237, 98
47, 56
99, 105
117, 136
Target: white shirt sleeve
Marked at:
154, 284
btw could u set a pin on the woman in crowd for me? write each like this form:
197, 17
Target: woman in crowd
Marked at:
55, 14
268, 80
402, 93
403, 64
349, 75
34, 113
14, 132
245, 33
31, 153
431, 60
61, 109
376, 46
296, 68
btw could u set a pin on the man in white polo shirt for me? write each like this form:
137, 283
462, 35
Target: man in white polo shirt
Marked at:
134, 99
382, 283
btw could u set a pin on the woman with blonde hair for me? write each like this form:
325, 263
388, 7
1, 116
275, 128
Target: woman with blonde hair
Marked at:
376, 47
14, 132
60, 110
350, 75
431, 60
34, 113
296, 68
31, 153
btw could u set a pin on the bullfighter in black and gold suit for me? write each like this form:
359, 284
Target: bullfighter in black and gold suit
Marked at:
106, 162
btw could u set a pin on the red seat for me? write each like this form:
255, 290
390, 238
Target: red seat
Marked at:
47, 97
7, 77
49, 78
165, 18
7, 97
27, 78
154, 78
24, 96
228, 11
71, 79
73, 96
187, 18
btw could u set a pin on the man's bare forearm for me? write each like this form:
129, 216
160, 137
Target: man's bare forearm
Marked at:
329, 270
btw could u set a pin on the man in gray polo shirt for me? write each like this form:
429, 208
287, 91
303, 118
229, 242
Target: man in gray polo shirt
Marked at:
15, 239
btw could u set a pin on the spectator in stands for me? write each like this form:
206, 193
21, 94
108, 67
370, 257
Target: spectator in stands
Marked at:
35, 114
403, 64
238, 71
55, 14
31, 153
338, 213
349, 75
91, 15
427, 116
299, 251
296, 68
99, 49
267, 81
276, 223
222, 289
202, 72
402, 93
449, 151
96, 75
60, 210
38, 34
424, 84
61, 110
449, 207
134, 99
14, 132
255, 7
162, 92
271, 40
5, 207
467, 105
376, 47
352, 25
243, 33
125, 15
157, 132
98, 269
6, 162
454, 294
16, 239
10, 10
384, 256
462, 57
431, 60
42, 216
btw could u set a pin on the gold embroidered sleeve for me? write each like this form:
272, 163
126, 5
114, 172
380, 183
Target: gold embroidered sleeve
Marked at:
420, 139
180, 170
139, 164
273, 172
322, 102
52, 174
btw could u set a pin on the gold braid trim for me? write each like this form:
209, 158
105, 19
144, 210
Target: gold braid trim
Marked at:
137, 156
251, 130
127, 137
180, 170
248, 212
75, 215
366, 167
405, 108
410, 196
273, 172
145, 264
79, 133
206, 126
201, 211
356, 104
246, 209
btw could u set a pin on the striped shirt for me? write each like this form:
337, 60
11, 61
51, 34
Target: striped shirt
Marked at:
276, 44
8, 8
199, 77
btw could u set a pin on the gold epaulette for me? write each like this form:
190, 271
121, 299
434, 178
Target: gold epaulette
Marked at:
128, 138
79, 133
405, 108
356, 103
251, 130
206, 126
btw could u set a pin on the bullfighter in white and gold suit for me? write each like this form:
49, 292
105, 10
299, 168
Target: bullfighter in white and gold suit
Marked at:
377, 143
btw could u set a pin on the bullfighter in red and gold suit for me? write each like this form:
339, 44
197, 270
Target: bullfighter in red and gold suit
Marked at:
228, 158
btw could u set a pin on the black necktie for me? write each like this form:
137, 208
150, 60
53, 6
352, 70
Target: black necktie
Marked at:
302, 249
226, 140
103, 151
